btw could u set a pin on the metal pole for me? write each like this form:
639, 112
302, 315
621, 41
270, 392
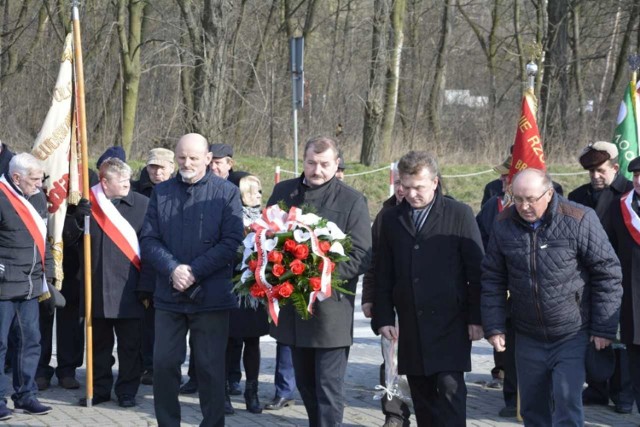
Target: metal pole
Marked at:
295, 139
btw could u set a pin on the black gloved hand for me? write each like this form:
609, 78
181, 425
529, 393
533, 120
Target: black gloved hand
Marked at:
83, 208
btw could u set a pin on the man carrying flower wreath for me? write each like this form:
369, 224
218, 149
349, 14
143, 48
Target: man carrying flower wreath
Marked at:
320, 344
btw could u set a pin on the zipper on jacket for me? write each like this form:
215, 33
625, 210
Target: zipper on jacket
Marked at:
534, 281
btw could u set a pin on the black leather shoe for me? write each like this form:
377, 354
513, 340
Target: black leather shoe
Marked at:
508, 412
279, 403
234, 389
189, 387
126, 401
623, 409
95, 401
147, 377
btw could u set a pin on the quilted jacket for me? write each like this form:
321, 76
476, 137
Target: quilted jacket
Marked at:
562, 277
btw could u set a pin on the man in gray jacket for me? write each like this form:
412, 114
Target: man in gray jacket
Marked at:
564, 281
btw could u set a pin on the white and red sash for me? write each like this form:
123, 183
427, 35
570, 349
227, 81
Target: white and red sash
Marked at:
31, 219
114, 225
630, 217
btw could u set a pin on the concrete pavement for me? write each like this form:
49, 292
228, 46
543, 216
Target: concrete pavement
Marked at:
361, 409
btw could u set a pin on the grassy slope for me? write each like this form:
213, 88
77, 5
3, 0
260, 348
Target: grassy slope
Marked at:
376, 185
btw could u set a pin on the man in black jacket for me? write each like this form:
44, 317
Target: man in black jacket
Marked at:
430, 278
321, 344
606, 185
25, 263
624, 231
563, 279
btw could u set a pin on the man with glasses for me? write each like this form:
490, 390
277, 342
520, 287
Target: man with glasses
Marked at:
564, 282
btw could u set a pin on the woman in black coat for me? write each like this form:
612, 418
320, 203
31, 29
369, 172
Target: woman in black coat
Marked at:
248, 324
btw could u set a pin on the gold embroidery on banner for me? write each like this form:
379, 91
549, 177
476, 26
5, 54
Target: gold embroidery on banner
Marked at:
58, 136
62, 93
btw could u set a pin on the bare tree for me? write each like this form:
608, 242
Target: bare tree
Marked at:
437, 88
131, 17
374, 105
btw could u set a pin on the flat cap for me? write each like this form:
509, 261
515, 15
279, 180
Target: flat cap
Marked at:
160, 157
503, 168
596, 153
221, 150
634, 165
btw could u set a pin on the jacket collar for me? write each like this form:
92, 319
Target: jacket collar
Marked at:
207, 176
620, 183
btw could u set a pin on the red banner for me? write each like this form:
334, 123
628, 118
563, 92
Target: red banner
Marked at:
527, 149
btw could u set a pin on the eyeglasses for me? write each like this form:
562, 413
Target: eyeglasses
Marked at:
529, 200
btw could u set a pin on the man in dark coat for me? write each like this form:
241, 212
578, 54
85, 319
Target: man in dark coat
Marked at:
321, 344
563, 280
504, 361
431, 279
623, 228
606, 186
25, 263
191, 235
117, 215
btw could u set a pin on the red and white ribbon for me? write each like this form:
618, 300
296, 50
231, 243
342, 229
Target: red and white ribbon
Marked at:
274, 220
630, 217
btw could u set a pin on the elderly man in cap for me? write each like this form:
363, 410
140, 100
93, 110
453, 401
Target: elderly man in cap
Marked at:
624, 232
222, 162
606, 185
160, 167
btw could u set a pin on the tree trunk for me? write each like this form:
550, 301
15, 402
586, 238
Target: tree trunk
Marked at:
130, 37
373, 109
577, 70
208, 42
435, 96
393, 75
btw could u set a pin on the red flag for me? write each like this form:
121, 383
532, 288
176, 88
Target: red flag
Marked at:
527, 149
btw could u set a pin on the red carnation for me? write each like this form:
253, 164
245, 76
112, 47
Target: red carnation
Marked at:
297, 267
285, 289
316, 283
332, 266
324, 246
301, 251
253, 264
278, 270
257, 291
275, 257
290, 245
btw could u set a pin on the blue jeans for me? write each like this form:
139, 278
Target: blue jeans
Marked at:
22, 319
284, 379
553, 369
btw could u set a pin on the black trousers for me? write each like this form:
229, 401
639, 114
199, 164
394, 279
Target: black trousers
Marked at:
439, 399
46, 345
148, 335
208, 331
393, 407
234, 355
129, 335
510, 384
633, 353
70, 340
320, 378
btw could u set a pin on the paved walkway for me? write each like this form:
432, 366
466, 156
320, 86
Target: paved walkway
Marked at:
361, 410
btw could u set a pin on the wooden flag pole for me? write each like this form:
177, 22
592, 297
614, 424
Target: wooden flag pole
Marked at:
82, 124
